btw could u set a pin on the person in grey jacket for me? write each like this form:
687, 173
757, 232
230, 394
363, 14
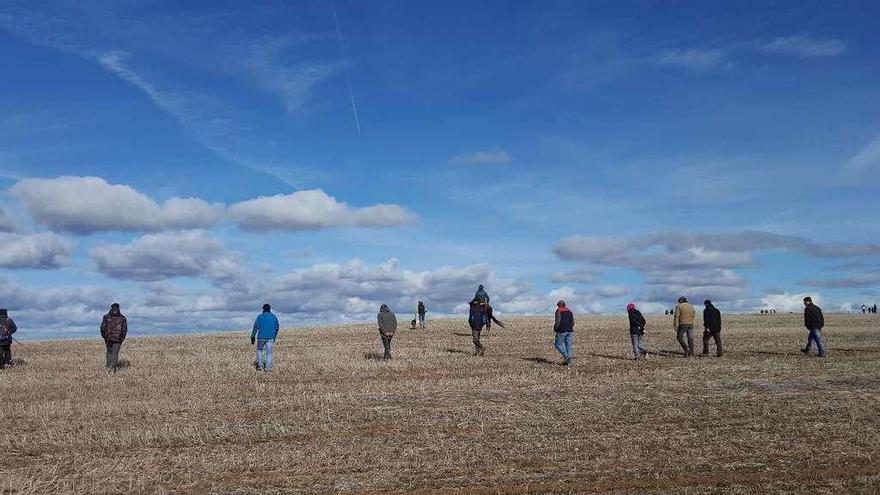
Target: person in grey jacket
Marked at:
387, 326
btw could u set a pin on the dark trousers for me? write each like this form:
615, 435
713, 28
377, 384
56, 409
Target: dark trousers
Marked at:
113, 355
5, 355
711, 335
479, 349
386, 343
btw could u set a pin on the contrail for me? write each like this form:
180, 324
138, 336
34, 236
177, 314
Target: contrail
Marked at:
354, 107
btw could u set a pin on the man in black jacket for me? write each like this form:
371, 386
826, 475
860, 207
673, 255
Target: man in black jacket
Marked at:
7, 328
711, 327
636, 331
815, 322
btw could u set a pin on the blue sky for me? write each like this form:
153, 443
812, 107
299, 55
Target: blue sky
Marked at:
194, 161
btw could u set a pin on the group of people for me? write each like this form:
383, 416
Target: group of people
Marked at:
114, 329
869, 309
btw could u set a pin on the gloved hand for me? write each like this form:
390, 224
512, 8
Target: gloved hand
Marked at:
253, 341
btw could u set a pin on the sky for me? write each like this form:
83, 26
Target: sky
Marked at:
194, 160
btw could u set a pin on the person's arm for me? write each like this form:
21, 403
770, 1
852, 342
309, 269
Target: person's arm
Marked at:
394, 321
124, 328
277, 326
255, 330
675, 317
12, 327
821, 319
556, 320
104, 327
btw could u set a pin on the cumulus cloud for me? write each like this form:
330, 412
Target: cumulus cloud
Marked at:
785, 302
6, 222
869, 279
166, 255
804, 46
491, 156
582, 275
314, 209
41, 251
85, 205
690, 58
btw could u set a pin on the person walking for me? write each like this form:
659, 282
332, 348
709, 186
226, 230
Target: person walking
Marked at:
421, 310
7, 328
815, 322
711, 327
477, 319
481, 294
564, 327
114, 329
683, 323
264, 334
636, 331
387, 326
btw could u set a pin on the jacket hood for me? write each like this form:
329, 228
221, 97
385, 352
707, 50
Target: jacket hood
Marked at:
3, 312
384, 309
115, 312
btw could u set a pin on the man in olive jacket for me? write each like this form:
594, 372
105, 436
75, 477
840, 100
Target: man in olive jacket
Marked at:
387, 326
683, 323
114, 328
711, 327
815, 322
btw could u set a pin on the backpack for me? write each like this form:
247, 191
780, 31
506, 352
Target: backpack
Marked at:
5, 332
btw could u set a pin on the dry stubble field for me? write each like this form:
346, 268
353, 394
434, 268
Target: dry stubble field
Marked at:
191, 415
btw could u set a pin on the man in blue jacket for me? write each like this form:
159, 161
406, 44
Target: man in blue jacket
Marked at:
265, 331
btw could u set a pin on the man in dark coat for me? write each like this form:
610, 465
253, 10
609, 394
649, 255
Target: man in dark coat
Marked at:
387, 326
7, 328
421, 309
478, 318
815, 322
636, 331
711, 327
114, 328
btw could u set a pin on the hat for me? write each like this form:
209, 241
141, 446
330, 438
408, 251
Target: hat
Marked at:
560, 303
114, 306
682, 299
480, 287
630, 306
266, 307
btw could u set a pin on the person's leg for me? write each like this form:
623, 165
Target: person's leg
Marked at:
680, 336
641, 343
820, 344
270, 344
718, 348
569, 348
478, 347
386, 344
108, 362
690, 337
422, 321
634, 340
559, 343
261, 344
113, 356
706, 337
5, 355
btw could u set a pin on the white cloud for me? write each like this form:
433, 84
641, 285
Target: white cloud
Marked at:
313, 209
690, 58
42, 251
166, 255
786, 302
6, 223
804, 46
491, 156
866, 161
84, 205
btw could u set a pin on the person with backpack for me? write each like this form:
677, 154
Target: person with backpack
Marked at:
711, 327
481, 294
683, 323
421, 310
563, 326
636, 331
7, 328
477, 319
114, 329
815, 322
264, 334
387, 326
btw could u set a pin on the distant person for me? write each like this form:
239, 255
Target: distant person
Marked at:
864, 309
814, 321
421, 309
711, 327
478, 317
683, 323
636, 331
7, 328
114, 328
666, 312
387, 326
264, 333
564, 327
481, 294
875, 309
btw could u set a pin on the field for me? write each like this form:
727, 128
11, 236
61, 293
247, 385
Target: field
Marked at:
189, 414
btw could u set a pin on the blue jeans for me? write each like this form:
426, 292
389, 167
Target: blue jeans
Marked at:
815, 336
638, 346
563, 344
421, 321
264, 354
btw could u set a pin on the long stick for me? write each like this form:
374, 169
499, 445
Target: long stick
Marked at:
16, 341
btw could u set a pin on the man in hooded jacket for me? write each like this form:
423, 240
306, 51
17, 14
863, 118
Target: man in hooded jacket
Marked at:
265, 332
711, 327
814, 321
114, 328
636, 331
387, 326
7, 328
